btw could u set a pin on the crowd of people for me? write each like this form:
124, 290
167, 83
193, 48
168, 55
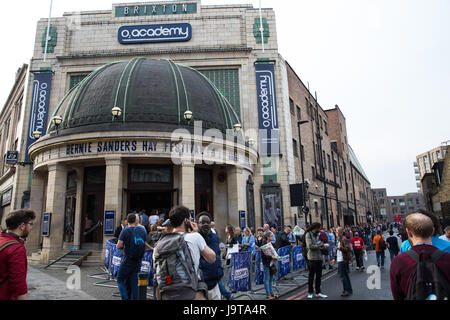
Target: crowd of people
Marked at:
187, 254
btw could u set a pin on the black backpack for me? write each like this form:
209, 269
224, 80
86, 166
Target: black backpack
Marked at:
427, 279
137, 249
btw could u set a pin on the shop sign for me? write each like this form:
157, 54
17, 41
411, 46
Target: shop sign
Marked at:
176, 32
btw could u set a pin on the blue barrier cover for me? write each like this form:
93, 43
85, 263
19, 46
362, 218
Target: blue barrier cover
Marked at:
259, 268
284, 265
116, 260
298, 260
332, 250
147, 266
239, 277
108, 249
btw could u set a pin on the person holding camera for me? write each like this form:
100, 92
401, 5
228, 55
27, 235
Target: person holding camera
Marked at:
314, 247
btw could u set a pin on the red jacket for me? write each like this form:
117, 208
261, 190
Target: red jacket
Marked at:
402, 268
13, 265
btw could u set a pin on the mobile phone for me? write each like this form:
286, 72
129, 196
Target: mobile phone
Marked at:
187, 223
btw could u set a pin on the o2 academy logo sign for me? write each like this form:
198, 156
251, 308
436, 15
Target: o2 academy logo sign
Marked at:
177, 32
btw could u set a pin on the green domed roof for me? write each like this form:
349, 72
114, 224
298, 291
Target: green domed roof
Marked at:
147, 91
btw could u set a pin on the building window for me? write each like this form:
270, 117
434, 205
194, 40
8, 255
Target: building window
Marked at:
329, 162
316, 208
227, 81
324, 161
76, 79
313, 170
402, 202
299, 116
325, 126
438, 154
291, 104
302, 150
294, 145
417, 201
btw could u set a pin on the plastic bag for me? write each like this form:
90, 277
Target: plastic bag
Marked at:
365, 255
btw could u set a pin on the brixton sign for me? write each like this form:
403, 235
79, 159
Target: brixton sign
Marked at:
176, 32
156, 9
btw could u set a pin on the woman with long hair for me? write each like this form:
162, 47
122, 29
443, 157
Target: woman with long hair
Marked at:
267, 261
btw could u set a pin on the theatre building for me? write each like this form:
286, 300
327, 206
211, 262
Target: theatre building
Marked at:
152, 105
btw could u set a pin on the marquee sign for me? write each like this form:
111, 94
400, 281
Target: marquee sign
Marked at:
155, 10
267, 109
176, 32
39, 107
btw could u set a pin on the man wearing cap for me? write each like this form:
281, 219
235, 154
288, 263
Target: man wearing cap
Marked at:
358, 244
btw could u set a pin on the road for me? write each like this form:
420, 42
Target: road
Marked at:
361, 281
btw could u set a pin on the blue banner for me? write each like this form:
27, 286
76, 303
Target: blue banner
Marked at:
284, 265
46, 225
242, 219
147, 266
176, 32
239, 277
259, 268
298, 260
267, 109
116, 260
40, 102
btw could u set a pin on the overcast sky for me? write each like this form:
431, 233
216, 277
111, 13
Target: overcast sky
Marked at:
386, 63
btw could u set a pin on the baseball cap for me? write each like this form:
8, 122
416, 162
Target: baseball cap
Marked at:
166, 223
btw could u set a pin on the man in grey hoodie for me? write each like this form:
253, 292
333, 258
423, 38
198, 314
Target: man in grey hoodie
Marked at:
313, 246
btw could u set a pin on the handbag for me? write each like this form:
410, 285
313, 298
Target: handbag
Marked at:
273, 269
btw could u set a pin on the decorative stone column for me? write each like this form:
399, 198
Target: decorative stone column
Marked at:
236, 195
78, 208
55, 205
37, 203
187, 186
113, 191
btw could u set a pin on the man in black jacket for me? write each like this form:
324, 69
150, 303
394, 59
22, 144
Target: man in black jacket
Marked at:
212, 272
283, 238
119, 229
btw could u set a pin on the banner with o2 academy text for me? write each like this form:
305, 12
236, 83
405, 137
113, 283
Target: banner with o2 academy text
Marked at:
40, 102
267, 109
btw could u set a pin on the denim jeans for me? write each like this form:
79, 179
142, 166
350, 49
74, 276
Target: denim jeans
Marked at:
224, 291
380, 256
128, 270
393, 254
268, 279
345, 278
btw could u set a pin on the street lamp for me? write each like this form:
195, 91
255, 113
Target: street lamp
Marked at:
37, 134
188, 115
116, 112
299, 123
57, 120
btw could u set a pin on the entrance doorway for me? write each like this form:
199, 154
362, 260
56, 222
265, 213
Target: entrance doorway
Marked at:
149, 201
93, 208
204, 191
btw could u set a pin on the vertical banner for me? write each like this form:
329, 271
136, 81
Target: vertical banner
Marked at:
284, 265
146, 265
267, 109
259, 268
298, 261
239, 278
40, 102
242, 219
108, 224
116, 260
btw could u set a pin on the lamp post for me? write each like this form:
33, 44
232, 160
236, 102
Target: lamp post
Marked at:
187, 115
299, 123
237, 127
57, 120
116, 112
37, 134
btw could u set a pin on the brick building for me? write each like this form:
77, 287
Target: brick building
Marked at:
425, 162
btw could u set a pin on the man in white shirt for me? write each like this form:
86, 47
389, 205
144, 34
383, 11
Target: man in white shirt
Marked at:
446, 235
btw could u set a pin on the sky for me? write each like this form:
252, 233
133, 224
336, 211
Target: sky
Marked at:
384, 62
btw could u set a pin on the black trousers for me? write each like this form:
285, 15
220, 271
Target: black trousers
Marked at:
315, 271
359, 258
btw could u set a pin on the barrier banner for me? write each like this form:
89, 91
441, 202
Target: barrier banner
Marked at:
284, 265
107, 252
239, 277
298, 260
259, 268
116, 260
147, 266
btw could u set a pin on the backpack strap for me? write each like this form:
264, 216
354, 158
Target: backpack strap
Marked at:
7, 244
435, 256
414, 255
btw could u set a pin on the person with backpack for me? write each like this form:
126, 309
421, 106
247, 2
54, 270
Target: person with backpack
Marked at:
380, 247
314, 247
423, 272
13, 255
133, 242
144, 218
212, 272
176, 260
393, 246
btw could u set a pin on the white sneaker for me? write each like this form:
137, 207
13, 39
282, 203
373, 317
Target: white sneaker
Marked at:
321, 295
310, 296
357, 268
